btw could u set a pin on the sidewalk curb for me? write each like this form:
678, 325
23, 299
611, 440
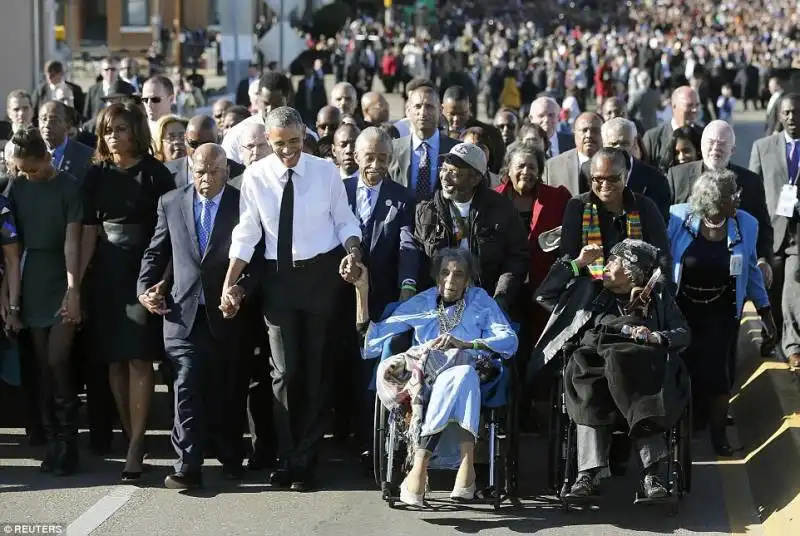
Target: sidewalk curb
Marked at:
766, 406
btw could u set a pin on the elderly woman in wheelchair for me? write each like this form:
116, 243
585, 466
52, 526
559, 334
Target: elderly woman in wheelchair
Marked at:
622, 335
458, 333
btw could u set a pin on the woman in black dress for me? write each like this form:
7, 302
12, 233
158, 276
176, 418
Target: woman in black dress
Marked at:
121, 195
48, 213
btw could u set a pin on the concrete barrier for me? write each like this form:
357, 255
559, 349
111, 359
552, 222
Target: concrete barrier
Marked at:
766, 406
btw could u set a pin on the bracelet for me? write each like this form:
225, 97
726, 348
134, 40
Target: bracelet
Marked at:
574, 266
412, 288
475, 345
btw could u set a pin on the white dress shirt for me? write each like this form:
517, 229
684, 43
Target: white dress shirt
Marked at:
322, 216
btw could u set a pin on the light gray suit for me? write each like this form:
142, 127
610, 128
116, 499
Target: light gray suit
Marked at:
643, 106
768, 159
400, 165
564, 170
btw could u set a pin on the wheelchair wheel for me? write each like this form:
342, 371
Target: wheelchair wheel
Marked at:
683, 452
380, 418
558, 438
388, 475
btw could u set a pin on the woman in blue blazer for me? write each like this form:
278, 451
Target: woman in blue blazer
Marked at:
713, 247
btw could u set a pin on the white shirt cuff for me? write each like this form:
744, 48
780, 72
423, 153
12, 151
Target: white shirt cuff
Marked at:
241, 251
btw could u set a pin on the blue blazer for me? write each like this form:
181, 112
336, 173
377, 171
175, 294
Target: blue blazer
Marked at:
387, 242
684, 228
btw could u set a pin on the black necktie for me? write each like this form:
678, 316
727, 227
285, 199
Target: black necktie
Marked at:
285, 223
585, 177
424, 192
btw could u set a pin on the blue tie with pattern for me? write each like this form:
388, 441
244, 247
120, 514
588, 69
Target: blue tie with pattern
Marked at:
206, 224
365, 206
424, 191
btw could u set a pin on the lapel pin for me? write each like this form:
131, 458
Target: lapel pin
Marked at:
388, 203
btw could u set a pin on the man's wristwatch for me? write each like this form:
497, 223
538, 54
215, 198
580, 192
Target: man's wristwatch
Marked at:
14, 308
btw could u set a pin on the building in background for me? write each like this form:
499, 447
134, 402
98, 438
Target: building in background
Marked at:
127, 25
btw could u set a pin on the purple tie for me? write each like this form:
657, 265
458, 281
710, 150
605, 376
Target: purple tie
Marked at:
794, 161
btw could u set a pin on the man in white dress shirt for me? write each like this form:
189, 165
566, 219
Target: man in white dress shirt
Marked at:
297, 203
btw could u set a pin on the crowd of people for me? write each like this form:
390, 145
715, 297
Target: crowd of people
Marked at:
258, 253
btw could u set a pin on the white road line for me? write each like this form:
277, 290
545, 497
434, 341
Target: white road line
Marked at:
101, 510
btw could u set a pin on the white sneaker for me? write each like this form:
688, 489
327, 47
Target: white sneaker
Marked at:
406, 497
463, 494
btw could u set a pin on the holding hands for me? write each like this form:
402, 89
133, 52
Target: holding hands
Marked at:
154, 300
231, 301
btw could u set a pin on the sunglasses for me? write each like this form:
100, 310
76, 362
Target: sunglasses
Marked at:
154, 100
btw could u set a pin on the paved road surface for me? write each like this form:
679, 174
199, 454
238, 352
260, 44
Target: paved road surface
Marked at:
94, 502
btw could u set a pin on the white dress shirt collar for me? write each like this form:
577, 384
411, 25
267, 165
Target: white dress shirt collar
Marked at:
555, 150
788, 138
346, 176
281, 169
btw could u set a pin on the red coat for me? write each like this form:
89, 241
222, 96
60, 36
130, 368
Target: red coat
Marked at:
548, 213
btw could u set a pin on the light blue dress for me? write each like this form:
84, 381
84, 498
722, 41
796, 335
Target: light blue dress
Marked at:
456, 395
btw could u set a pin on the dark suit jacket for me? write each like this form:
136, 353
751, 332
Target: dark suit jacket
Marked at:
310, 105
175, 239
94, 98
650, 182
681, 178
40, 97
566, 142
771, 123
387, 242
242, 98
399, 168
180, 170
654, 141
643, 106
77, 159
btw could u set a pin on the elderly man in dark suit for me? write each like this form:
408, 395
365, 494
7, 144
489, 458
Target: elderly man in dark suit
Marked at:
200, 130
685, 111
571, 168
544, 112
642, 179
776, 159
415, 163
68, 155
385, 211
110, 85
203, 335
716, 147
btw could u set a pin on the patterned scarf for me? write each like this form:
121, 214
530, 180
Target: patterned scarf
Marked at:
592, 234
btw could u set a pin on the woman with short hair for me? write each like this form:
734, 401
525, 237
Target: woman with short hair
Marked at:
456, 327
715, 268
169, 139
121, 195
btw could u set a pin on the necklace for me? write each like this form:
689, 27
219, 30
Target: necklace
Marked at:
446, 325
711, 225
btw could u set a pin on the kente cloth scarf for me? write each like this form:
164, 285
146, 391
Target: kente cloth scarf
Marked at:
592, 234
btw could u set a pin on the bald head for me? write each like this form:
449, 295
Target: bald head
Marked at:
375, 108
328, 120
343, 96
253, 142
219, 108
209, 170
588, 135
544, 112
200, 130
716, 144
685, 106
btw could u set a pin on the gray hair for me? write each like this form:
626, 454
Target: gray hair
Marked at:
617, 157
709, 190
463, 257
347, 86
374, 135
618, 125
283, 117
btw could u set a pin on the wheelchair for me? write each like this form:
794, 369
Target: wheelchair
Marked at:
498, 434
563, 449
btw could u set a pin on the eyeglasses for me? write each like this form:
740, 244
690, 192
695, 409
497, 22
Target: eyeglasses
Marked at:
154, 100
613, 179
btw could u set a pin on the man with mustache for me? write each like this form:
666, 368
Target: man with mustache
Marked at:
571, 168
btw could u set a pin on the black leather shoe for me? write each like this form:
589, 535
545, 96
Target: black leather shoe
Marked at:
233, 471
260, 463
300, 486
181, 480
282, 478
584, 486
67, 462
